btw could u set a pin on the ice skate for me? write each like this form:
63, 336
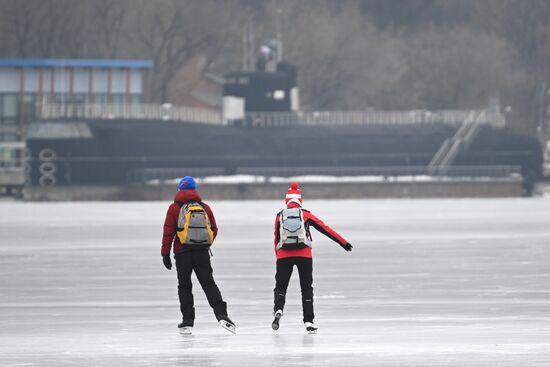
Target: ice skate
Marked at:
227, 324
185, 328
275, 324
310, 327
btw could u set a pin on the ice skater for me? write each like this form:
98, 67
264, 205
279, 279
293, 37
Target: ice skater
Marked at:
190, 229
293, 244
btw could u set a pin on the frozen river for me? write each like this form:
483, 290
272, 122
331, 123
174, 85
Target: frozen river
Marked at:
429, 283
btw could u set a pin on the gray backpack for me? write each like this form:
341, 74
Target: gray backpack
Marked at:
292, 231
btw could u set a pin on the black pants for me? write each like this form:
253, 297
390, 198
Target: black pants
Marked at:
282, 277
198, 261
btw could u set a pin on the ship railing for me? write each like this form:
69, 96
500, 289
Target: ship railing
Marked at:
169, 112
346, 118
130, 111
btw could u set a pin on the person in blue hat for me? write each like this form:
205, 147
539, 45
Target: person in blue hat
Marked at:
189, 230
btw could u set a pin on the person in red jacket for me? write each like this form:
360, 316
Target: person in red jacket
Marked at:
293, 247
192, 257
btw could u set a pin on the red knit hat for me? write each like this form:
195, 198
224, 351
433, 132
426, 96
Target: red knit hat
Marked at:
293, 194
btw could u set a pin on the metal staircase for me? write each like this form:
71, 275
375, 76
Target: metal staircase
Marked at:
461, 141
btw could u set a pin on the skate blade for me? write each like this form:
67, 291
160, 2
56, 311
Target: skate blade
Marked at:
186, 331
312, 332
229, 327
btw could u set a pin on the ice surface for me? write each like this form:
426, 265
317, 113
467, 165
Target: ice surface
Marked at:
429, 283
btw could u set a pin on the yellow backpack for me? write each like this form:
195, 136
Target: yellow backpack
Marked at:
194, 225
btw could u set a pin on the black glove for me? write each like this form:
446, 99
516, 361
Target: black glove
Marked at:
348, 247
167, 262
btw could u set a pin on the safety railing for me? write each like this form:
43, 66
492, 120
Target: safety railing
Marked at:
58, 110
133, 111
342, 118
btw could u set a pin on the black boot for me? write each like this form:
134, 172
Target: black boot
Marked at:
185, 323
275, 324
186, 327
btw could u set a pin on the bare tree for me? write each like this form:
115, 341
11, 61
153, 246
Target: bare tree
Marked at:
18, 20
344, 61
108, 23
457, 68
172, 33
55, 29
523, 23
42, 28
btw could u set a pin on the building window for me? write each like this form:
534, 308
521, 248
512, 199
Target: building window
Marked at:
9, 105
135, 99
100, 98
279, 94
117, 99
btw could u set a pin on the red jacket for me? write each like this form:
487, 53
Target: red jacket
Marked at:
169, 238
309, 220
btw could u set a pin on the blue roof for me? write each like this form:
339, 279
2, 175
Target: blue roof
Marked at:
75, 63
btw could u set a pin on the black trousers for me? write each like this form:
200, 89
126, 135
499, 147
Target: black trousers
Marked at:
199, 262
282, 277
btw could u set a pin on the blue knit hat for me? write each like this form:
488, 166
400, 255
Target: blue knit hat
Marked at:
187, 183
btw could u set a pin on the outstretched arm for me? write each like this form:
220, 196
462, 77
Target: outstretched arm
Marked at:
319, 225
